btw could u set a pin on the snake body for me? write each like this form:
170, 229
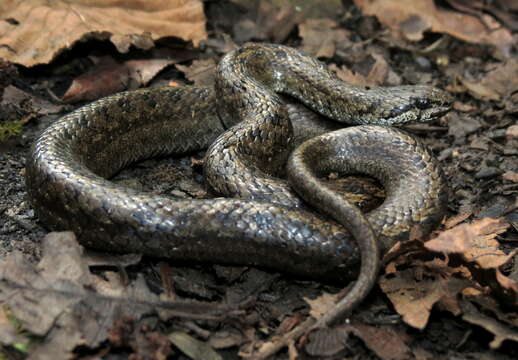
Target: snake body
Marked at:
247, 127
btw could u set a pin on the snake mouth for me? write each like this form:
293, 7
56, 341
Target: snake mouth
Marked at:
438, 112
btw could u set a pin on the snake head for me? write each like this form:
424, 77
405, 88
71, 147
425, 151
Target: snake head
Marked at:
416, 104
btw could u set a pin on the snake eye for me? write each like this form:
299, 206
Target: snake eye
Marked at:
422, 103
399, 110
281, 53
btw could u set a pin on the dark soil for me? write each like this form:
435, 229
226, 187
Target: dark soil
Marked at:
473, 145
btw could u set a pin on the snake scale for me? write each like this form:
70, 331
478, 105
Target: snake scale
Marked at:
249, 129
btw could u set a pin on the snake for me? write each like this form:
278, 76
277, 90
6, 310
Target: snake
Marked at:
267, 155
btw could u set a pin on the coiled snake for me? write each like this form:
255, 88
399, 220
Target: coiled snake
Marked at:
245, 123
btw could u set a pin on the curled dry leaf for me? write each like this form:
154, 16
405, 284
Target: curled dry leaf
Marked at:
34, 32
412, 18
109, 77
499, 330
413, 296
475, 241
477, 245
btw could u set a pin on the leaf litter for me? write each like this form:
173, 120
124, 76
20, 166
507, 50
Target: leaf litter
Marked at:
61, 301
25, 37
466, 271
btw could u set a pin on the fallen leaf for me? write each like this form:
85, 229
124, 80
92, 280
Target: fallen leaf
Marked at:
479, 250
457, 219
385, 341
479, 90
377, 75
475, 241
412, 18
510, 176
275, 20
321, 304
57, 25
413, 297
193, 348
499, 330
200, 72
60, 301
460, 125
512, 131
326, 341
225, 339
497, 84
110, 77
320, 37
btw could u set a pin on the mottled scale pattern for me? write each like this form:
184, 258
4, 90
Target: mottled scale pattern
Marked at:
249, 129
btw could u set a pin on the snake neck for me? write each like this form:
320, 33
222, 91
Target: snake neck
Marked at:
285, 70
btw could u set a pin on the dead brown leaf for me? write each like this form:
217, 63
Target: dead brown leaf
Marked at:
320, 37
412, 18
275, 20
499, 330
377, 75
511, 176
512, 131
385, 341
39, 30
200, 72
476, 241
326, 341
110, 77
414, 296
479, 250
457, 219
321, 304
62, 302
497, 84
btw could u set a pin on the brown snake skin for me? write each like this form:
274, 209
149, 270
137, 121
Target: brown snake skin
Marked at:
246, 125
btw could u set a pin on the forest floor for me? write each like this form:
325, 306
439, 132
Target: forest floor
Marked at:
455, 297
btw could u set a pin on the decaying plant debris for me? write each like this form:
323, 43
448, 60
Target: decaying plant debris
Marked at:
452, 294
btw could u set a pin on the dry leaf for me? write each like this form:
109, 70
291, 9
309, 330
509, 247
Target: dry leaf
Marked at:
385, 341
377, 75
326, 341
457, 219
413, 297
479, 250
511, 176
109, 77
412, 18
512, 131
475, 241
497, 84
275, 20
62, 302
321, 304
499, 330
320, 37
193, 348
200, 72
38, 30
